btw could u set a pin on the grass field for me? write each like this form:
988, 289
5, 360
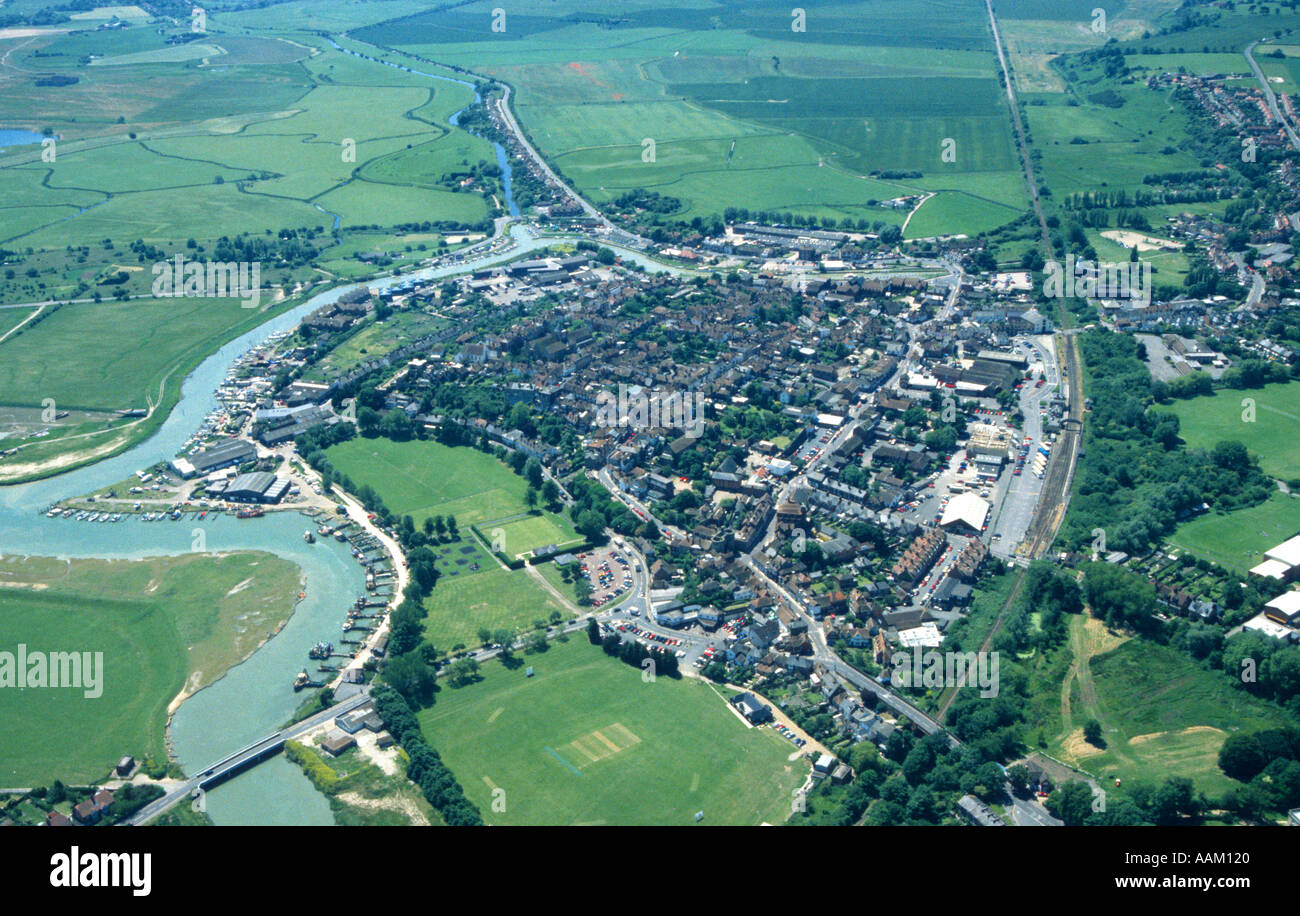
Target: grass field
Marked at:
627, 753
493, 597
527, 534
1272, 436
1160, 712
424, 479
1237, 540
109, 355
162, 624
246, 144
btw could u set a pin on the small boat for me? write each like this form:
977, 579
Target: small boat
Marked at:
302, 680
309, 537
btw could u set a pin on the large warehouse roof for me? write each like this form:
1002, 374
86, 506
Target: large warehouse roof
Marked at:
1287, 552
968, 508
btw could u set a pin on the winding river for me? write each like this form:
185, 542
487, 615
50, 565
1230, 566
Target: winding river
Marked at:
503, 161
255, 697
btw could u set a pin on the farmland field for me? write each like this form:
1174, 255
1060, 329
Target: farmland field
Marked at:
108, 355
1272, 436
728, 94
162, 624
628, 753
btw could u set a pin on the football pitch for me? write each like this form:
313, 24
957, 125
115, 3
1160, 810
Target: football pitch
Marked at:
1272, 434
424, 479
586, 741
1237, 540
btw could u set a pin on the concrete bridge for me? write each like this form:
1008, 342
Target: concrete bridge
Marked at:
242, 759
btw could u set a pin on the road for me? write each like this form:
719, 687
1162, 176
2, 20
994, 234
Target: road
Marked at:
1270, 96
827, 656
241, 758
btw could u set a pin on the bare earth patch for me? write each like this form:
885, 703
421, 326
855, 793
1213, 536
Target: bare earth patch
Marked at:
1077, 747
1190, 730
401, 804
240, 587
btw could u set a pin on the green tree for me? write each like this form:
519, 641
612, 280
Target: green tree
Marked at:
1071, 802
1092, 732
463, 671
411, 677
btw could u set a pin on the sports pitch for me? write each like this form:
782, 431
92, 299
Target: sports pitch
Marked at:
1272, 435
586, 741
1237, 540
492, 597
424, 479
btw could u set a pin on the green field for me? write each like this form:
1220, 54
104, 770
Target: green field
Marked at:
493, 597
1237, 540
1160, 712
1272, 436
171, 148
743, 110
162, 624
110, 355
628, 753
526, 534
424, 479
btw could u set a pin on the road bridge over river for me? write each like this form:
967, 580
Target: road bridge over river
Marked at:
235, 763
